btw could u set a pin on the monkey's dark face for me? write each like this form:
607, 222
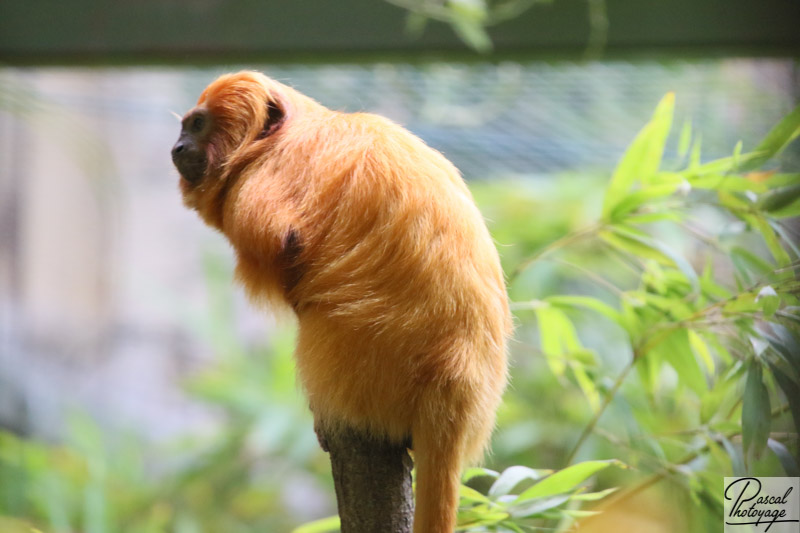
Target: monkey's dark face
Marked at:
190, 154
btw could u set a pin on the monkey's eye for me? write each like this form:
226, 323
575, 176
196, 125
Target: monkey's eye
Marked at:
197, 124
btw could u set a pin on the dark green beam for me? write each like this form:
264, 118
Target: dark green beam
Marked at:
203, 31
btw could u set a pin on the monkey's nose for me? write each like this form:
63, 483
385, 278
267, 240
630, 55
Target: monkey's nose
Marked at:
177, 149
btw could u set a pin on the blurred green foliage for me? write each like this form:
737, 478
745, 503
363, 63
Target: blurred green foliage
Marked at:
470, 19
657, 350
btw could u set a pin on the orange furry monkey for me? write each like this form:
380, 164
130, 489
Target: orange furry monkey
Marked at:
373, 239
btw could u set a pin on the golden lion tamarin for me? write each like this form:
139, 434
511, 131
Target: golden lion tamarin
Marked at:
373, 240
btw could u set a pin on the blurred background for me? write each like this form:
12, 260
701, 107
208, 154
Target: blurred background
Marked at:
139, 391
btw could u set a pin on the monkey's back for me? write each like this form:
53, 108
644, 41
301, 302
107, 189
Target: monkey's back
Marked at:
402, 305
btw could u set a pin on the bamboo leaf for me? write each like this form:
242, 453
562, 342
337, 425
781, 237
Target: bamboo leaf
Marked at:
694, 156
783, 202
565, 480
791, 390
701, 350
785, 457
534, 507
594, 496
471, 495
643, 157
586, 384
776, 140
677, 351
737, 153
748, 261
637, 199
480, 516
771, 239
756, 415
769, 300
727, 182
787, 343
589, 303
646, 247
558, 337
724, 165
743, 303
476, 472
513, 476
737, 462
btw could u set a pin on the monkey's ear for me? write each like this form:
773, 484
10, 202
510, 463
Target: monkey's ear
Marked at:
276, 116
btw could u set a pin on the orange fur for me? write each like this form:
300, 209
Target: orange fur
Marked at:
395, 281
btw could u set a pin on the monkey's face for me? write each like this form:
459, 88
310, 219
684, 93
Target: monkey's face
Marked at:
233, 112
190, 154
231, 126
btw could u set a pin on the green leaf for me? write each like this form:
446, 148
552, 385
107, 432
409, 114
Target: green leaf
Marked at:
472, 10
676, 350
594, 496
482, 515
470, 495
655, 216
710, 287
771, 239
726, 182
769, 300
648, 367
791, 390
558, 337
734, 203
756, 416
535, 507
586, 384
748, 261
513, 476
726, 164
323, 525
701, 350
742, 304
783, 202
643, 157
737, 462
472, 33
633, 246
785, 457
788, 240
787, 343
476, 472
645, 247
565, 480
737, 153
637, 199
694, 156
776, 180
589, 303
721, 351
776, 140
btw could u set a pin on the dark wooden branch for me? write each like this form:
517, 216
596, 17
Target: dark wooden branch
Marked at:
373, 482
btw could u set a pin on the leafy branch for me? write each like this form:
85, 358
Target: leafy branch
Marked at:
689, 320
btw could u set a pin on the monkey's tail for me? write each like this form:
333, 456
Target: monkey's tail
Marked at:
437, 457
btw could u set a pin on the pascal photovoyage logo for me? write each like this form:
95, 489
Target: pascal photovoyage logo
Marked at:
762, 504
